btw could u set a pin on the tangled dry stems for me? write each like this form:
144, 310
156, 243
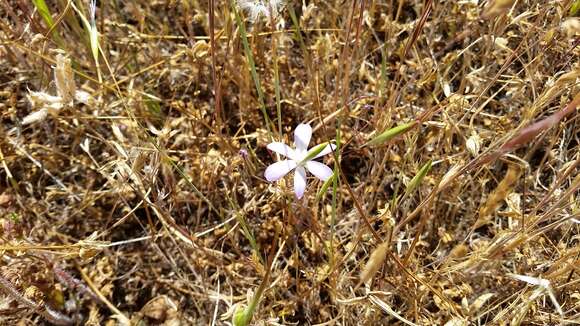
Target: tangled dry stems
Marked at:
143, 199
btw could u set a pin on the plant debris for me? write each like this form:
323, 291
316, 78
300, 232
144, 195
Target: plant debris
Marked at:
136, 139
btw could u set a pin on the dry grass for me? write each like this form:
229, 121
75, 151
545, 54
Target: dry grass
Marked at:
133, 150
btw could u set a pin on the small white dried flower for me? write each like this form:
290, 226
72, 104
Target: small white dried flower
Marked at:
269, 9
571, 26
473, 144
543, 285
46, 104
42, 100
34, 117
84, 97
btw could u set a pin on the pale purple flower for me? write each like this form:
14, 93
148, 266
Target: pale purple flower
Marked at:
299, 159
243, 153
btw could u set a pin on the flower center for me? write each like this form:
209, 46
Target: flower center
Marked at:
300, 155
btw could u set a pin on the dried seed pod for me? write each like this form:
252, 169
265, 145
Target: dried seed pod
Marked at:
478, 303
375, 262
11, 228
500, 193
46, 311
87, 253
496, 8
473, 144
64, 79
158, 308
33, 293
13, 277
450, 176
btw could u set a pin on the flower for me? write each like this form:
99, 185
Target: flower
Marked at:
256, 8
300, 159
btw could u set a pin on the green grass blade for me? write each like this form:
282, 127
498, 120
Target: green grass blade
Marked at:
391, 133
418, 178
44, 12
47, 17
251, 62
575, 8
325, 186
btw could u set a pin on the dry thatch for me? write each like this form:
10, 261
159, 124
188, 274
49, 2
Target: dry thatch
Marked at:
133, 147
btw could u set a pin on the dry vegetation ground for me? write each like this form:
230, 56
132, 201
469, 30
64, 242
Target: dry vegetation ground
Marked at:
133, 150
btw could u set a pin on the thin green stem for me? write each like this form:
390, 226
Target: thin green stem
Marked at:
252, 64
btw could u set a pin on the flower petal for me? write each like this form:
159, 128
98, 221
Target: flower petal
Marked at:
327, 150
299, 182
320, 170
279, 169
302, 136
281, 149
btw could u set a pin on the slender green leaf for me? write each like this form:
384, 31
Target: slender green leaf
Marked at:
325, 186
242, 316
418, 178
253, 71
91, 28
297, 29
47, 17
575, 8
314, 151
391, 133
44, 12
